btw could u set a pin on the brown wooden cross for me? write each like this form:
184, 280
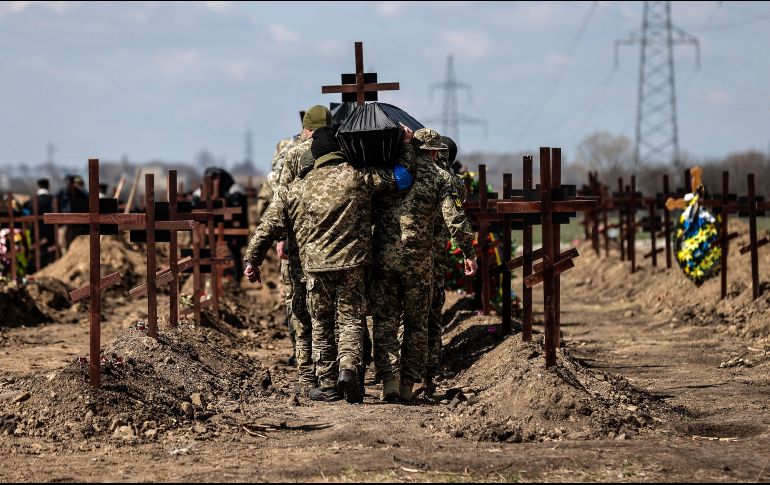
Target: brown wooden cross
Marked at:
757, 206
177, 221
11, 220
38, 244
97, 284
359, 87
551, 213
723, 204
591, 219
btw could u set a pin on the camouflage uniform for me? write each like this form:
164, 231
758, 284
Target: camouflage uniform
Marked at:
291, 270
328, 210
265, 194
403, 250
441, 264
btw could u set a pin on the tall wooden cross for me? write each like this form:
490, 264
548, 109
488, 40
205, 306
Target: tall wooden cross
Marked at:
96, 220
757, 206
553, 205
361, 86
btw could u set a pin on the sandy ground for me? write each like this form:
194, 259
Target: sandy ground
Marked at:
723, 433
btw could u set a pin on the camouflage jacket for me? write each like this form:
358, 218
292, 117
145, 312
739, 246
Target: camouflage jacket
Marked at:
404, 228
278, 159
327, 210
291, 161
441, 233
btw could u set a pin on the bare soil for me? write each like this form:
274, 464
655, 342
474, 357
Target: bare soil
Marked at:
641, 393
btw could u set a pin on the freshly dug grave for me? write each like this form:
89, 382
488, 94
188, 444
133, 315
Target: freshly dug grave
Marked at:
117, 254
186, 380
18, 307
508, 395
670, 294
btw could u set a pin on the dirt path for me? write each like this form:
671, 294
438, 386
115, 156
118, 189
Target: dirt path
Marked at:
375, 441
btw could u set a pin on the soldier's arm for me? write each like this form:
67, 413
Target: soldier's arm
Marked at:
455, 219
398, 178
273, 226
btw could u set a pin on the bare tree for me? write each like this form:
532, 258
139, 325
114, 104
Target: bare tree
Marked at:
611, 155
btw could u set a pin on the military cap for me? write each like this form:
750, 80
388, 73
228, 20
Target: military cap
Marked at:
452, 148
430, 139
316, 117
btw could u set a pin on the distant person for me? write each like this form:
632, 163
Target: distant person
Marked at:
73, 190
44, 206
103, 188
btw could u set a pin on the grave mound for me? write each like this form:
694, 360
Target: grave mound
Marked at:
73, 268
187, 379
509, 395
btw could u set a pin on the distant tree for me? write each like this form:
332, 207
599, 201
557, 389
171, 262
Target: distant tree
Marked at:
611, 155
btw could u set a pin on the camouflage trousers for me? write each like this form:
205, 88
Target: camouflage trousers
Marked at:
396, 295
337, 301
435, 328
300, 322
288, 294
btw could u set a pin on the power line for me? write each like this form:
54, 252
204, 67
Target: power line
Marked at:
593, 100
657, 131
451, 118
595, 104
541, 103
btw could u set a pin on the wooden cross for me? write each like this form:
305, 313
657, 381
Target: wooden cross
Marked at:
723, 204
359, 87
34, 219
97, 285
619, 204
756, 207
175, 221
591, 219
482, 214
605, 206
525, 261
660, 204
627, 203
555, 206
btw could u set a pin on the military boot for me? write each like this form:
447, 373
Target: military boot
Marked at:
430, 387
325, 394
390, 390
348, 386
405, 390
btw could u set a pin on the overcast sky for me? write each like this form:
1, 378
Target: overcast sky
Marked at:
166, 80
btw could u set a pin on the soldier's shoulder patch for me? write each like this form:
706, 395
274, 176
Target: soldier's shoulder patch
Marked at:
456, 198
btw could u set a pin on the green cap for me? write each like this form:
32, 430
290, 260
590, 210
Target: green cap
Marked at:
429, 139
317, 117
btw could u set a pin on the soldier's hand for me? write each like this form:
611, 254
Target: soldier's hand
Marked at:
252, 274
281, 248
470, 267
408, 133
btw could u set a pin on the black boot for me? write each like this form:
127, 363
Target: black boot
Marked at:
362, 382
326, 394
349, 386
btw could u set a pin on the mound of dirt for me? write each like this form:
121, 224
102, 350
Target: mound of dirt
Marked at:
508, 395
149, 388
49, 292
744, 316
670, 294
116, 255
18, 307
